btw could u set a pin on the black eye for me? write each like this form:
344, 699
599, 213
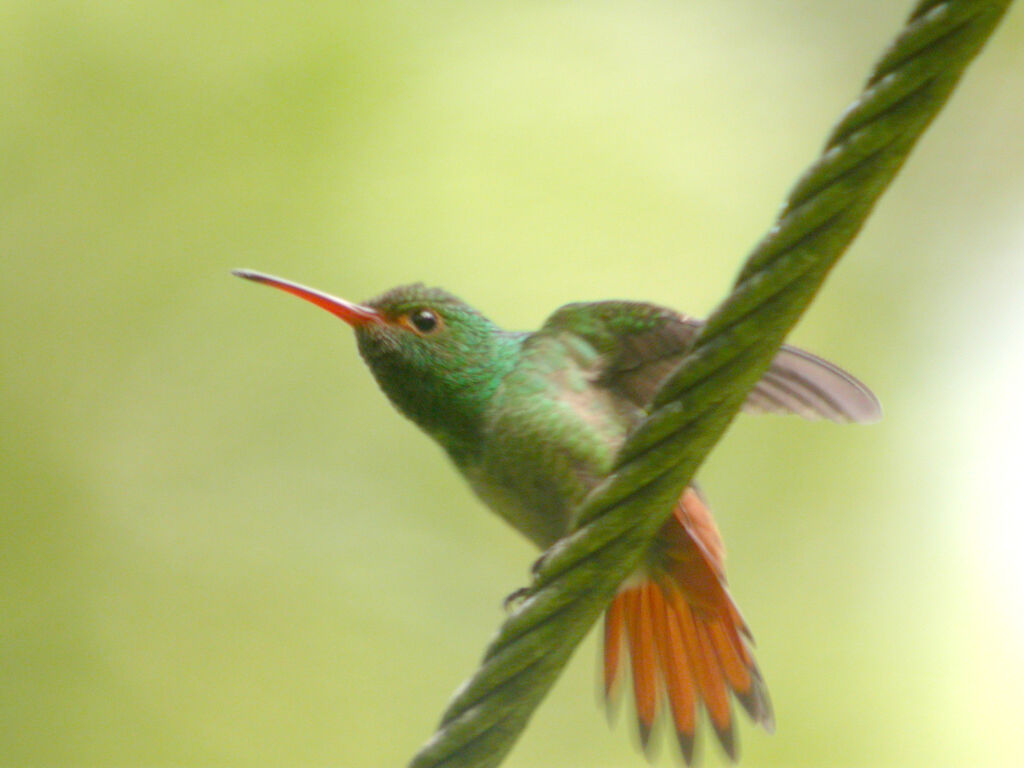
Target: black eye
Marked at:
424, 320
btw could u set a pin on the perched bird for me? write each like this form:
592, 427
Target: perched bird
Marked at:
533, 421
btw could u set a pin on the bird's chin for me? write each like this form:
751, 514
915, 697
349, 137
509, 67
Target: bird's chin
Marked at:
375, 342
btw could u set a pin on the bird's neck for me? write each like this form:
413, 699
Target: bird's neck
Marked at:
453, 409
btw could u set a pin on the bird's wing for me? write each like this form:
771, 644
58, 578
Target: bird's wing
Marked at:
639, 344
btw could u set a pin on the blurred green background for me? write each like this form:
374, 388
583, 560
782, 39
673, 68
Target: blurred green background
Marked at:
218, 544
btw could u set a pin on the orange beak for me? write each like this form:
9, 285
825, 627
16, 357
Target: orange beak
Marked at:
355, 315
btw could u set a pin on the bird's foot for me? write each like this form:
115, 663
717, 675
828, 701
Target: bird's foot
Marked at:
520, 596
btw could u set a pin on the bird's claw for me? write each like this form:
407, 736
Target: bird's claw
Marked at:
521, 594
539, 563
514, 600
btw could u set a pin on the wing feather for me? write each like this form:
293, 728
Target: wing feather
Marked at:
639, 345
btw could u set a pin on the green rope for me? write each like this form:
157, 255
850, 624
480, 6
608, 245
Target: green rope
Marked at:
618, 519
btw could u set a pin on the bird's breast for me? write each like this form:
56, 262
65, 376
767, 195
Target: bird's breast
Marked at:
551, 434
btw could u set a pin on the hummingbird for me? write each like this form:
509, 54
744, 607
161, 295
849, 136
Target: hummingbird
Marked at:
533, 422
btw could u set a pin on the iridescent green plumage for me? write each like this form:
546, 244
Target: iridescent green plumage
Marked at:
534, 420
518, 413
444, 382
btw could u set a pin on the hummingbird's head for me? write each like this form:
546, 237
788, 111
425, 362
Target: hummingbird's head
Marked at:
437, 359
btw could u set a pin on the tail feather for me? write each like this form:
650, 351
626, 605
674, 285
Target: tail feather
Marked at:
710, 685
614, 626
733, 667
644, 660
679, 682
686, 641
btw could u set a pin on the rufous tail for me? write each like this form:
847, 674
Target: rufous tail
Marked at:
685, 639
